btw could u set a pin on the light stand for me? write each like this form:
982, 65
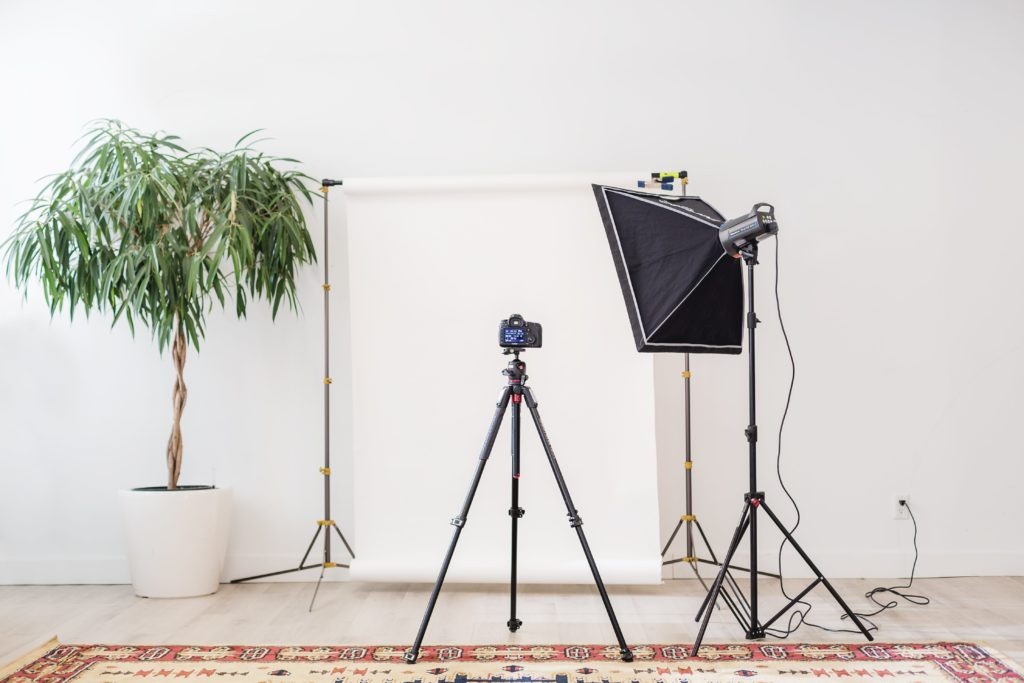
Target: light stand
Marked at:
515, 392
746, 612
327, 523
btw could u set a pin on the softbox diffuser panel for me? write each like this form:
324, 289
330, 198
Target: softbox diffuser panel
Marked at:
683, 293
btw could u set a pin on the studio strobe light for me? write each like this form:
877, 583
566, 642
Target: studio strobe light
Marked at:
737, 234
678, 264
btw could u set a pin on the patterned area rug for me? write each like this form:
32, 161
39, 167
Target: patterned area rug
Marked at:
513, 664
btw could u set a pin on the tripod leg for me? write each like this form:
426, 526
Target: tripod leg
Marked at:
347, 546
817, 572
302, 563
317, 589
515, 512
460, 521
672, 537
577, 523
716, 587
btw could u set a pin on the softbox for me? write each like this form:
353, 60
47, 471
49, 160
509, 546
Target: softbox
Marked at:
683, 292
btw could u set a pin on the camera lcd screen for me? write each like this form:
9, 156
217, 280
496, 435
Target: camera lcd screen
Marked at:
515, 336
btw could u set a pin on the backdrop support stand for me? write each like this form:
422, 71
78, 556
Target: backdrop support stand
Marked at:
689, 518
745, 610
327, 523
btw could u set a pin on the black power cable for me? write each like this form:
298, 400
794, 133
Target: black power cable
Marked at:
897, 591
798, 615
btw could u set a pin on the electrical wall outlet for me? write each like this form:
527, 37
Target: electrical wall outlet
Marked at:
900, 510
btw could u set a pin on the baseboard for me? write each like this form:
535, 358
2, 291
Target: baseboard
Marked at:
64, 570
873, 565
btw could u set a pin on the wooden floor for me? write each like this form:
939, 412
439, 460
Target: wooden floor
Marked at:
983, 610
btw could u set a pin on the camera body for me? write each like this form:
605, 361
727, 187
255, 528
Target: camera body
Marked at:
517, 333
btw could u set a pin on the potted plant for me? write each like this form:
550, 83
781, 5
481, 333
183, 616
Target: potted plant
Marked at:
154, 234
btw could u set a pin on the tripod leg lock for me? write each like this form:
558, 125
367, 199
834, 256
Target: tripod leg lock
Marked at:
516, 512
458, 522
574, 519
754, 499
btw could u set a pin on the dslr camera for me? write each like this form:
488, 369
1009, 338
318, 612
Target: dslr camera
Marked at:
516, 332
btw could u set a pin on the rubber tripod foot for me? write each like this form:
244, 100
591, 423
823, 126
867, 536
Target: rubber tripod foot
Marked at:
514, 624
410, 657
627, 655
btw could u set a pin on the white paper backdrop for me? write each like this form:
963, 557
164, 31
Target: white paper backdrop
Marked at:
435, 264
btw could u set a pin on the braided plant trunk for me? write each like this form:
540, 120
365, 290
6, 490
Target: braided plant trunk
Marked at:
178, 398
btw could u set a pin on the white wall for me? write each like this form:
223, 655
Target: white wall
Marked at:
867, 124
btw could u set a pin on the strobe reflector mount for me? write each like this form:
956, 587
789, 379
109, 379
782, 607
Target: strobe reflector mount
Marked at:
738, 233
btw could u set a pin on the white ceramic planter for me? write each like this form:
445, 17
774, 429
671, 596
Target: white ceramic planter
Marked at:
176, 540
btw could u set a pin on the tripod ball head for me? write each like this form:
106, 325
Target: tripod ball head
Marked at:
515, 370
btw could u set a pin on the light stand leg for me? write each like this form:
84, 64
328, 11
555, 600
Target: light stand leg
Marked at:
716, 587
817, 572
576, 523
515, 512
460, 521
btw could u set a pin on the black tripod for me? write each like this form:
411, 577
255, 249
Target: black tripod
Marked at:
744, 611
514, 392
327, 523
